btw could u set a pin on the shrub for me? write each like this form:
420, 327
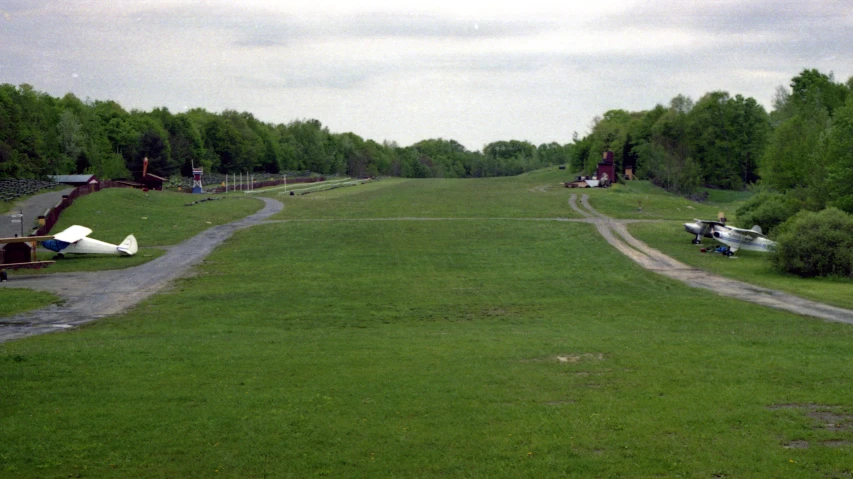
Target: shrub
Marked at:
767, 210
816, 244
670, 172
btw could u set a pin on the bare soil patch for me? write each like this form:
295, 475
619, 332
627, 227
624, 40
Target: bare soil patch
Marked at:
830, 418
574, 358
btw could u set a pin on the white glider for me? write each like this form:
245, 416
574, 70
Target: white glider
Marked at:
75, 240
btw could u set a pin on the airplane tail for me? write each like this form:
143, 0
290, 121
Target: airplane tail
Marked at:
757, 229
128, 247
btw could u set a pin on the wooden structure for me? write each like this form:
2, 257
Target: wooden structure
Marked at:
91, 181
153, 182
20, 253
149, 181
606, 167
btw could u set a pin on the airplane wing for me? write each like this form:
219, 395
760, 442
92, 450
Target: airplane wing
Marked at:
712, 223
73, 234
749, 233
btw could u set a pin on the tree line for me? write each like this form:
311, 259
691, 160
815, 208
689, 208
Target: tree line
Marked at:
801, 149
42, 135
800, 153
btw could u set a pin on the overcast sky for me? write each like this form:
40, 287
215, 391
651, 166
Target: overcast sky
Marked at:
475, 72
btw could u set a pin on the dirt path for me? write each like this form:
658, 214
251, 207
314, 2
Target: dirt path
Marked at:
89, 296
616, 233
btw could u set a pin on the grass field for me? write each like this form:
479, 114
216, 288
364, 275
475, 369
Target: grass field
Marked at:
534, 195
642, 200
14, 301
484, 345
157, 219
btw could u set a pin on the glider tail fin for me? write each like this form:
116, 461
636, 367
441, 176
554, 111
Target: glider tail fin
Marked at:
128, 247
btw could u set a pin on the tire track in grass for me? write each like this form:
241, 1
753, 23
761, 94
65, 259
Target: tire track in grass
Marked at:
616, 233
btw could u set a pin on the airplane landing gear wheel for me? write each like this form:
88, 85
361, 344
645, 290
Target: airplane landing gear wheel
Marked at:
697, 241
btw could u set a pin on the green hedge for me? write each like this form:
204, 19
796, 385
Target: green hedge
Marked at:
816, 244
767, 210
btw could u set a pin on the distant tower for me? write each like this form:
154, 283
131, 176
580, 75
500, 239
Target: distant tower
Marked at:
197, 180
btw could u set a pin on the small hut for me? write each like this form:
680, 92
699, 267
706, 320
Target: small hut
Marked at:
16, 253
606, 167
77, 180
150, 181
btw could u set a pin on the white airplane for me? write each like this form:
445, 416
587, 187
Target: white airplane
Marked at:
702, 228
75, 240
734, 238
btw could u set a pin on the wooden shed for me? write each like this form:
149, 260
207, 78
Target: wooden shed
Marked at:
152, 182
77, 180
149, 181
16, 253
20, 252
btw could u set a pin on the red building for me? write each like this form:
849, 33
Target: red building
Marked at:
606, 167
149, 181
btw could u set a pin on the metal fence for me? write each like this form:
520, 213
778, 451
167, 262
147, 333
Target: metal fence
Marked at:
264, 184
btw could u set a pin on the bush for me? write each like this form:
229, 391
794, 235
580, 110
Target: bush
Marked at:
670, 172
816, 244
768, 210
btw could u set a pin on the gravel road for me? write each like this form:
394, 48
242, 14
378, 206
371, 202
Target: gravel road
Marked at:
92, 295
33, 207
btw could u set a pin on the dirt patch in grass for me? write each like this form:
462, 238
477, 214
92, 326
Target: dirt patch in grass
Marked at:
568, 358
837, 443
833, 443
826, 417
574, 358
776, 407
830, 418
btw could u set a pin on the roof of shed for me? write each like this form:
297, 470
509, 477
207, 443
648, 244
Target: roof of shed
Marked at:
71, 178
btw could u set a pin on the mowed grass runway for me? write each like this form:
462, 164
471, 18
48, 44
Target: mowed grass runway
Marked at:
348, 342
